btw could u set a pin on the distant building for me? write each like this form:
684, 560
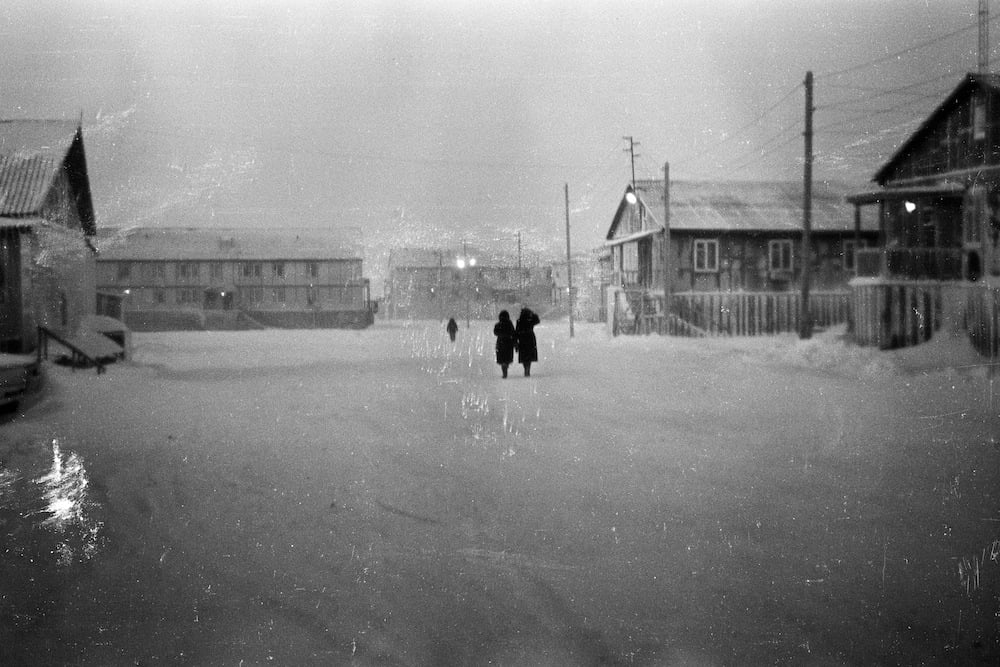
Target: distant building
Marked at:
46, 225
425, 283
181, 278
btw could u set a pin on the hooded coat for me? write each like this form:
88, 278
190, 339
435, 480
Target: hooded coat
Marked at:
504, 331
527, 346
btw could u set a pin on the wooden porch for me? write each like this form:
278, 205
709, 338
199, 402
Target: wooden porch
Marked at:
913, 263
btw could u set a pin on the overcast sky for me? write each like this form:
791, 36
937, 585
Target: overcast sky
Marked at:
443, 120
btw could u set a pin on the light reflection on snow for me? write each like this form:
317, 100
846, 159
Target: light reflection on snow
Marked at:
66, 504
493, 417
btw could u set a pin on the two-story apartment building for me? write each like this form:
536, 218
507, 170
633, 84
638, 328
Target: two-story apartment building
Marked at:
180, 278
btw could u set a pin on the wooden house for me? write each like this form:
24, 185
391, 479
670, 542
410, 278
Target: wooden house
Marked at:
215, 278
937, 203
732, 249
46, 226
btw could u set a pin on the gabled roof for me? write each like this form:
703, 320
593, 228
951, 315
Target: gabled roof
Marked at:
746, 206
32, 152
969, 83
226, 244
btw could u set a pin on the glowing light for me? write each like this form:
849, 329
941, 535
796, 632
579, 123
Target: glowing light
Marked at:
910, 207
630, 198
472, 261
460, 262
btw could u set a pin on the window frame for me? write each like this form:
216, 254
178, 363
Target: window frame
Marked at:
123, 272
709, 249
775, 247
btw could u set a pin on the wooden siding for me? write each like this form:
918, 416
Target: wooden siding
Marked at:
11, 308
953, 143
744, 263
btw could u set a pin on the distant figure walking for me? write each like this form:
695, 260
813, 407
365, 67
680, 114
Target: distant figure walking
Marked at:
452, 329
527, 346
504, 331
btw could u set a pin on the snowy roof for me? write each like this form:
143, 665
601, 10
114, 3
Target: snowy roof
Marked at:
746, 205
31, 154
190, 243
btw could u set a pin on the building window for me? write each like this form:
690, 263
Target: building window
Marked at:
849, 252
187, 271
160, 296
215, 271
124, 271
278, 269
278, 295
706, 255
779, 255
313, 270
311, 296
978, 120
187, 296
250, 269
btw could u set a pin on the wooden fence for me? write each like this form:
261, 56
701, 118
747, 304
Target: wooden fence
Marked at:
880, 313
725, 313
895, 314
982, 319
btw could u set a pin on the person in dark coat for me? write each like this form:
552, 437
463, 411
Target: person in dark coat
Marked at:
452, 329
527, 346
506, 340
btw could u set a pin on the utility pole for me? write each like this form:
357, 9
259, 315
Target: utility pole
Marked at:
632, 143
569, 267
805, 319
984, 36
666, 245
520, 276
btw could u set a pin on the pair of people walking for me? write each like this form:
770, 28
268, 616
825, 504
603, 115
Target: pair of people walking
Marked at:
520, 336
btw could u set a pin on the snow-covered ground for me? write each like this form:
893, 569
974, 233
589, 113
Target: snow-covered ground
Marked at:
383, 497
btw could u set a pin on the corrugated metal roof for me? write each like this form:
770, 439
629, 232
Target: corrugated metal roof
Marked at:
748, 205
192, 244
31, 153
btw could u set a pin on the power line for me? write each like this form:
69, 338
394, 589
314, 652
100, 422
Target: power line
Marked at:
878, 93
896, 54
756, 121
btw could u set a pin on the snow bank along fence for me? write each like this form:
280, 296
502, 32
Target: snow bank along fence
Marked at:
893, 314
724, 313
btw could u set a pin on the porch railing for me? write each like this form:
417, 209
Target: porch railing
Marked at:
909, 263
625, 278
